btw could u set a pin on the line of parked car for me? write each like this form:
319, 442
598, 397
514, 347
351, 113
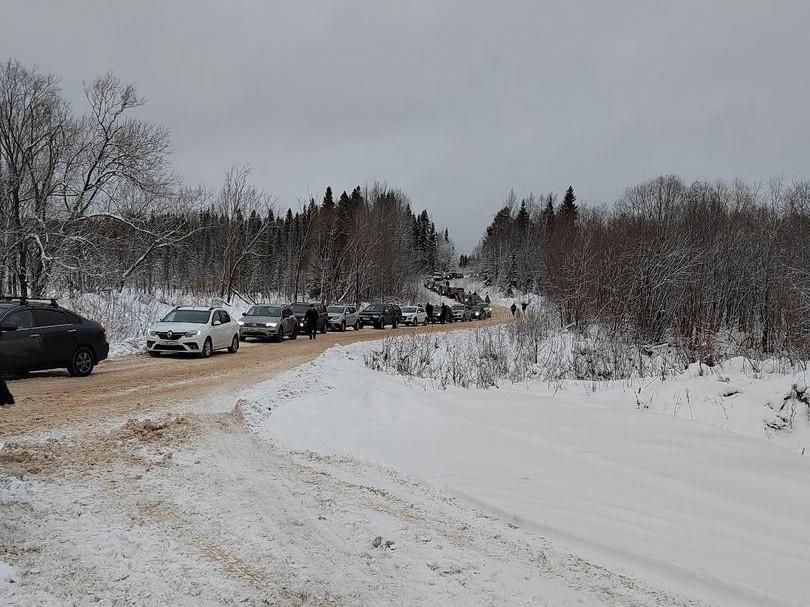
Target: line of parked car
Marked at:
39, 334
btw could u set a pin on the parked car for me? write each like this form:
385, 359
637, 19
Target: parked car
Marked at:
36, 335
194, 330
477, 312
461, 313
486, 310
341, 316
379, 315
300, 309
414, 315
268, 321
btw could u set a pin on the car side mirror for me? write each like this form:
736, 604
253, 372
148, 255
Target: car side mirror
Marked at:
7, 327
216, 323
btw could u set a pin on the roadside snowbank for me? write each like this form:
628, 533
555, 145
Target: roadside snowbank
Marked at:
675, 482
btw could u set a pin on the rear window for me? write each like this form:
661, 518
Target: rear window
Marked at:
273, 311
409, 310
336, 309
458, 307
199, 317
375, 308
299, 308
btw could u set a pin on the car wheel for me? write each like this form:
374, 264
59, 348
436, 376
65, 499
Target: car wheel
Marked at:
357, 326
234, 348
343, 326
82, 363
207, 349
154, 354
294, 334
395, 323
323, 329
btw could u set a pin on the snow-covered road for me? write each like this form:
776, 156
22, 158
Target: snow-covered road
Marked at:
336, 485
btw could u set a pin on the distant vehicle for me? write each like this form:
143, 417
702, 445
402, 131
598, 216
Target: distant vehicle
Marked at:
486, 310
300, 310
268, 321
379, 315
37, 334
414, 315
341, 317
194, 330
479, 312
461, 313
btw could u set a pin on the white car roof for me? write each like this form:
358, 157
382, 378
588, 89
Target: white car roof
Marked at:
197, 308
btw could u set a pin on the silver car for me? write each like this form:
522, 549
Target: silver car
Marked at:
268, 321
341, 316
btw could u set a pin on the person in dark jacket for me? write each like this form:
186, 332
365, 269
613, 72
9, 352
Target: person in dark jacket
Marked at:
513, 308
311, 318
429, 312
445, 314
5, 396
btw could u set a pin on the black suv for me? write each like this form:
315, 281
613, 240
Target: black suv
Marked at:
378, 315
300, 310
39, 334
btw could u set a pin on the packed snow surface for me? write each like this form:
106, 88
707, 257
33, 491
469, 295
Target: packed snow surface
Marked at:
686, 484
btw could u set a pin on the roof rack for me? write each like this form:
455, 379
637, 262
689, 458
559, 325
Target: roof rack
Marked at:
24, 300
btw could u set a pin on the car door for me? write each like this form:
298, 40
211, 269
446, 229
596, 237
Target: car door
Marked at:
20, 350
288, 319
221, 337
57, 335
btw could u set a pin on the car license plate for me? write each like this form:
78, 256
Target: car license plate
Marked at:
168, 342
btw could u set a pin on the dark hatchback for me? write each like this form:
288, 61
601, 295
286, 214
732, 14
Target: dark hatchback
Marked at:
39, 334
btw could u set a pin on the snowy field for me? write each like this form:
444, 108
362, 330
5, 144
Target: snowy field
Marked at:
695, 484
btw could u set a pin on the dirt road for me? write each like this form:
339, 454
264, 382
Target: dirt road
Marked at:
138, 384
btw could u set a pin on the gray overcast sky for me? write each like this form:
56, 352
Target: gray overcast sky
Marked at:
455, 102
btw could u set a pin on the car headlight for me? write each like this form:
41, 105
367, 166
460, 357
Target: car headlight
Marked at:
241, 323
270, 325
191, 333
152, 332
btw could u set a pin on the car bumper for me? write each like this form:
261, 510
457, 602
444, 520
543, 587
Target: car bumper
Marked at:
369, 321
102, 351
258, 331
154, 344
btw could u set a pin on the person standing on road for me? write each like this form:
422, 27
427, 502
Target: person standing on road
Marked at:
311, 319
5, 395
513, 308
429, 312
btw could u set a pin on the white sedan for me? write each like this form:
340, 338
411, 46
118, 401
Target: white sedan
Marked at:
414, 315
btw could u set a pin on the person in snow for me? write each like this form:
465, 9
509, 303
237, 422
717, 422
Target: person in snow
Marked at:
311, 319
445, 313
5, 395
429, 312
513, 308
524, 305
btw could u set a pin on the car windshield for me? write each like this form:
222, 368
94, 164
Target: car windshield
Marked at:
458, 307
409, 310
273, 311
199, 317
375, 308
336, 309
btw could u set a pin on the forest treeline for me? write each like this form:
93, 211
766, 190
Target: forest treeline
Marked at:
88, 202
707, 266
